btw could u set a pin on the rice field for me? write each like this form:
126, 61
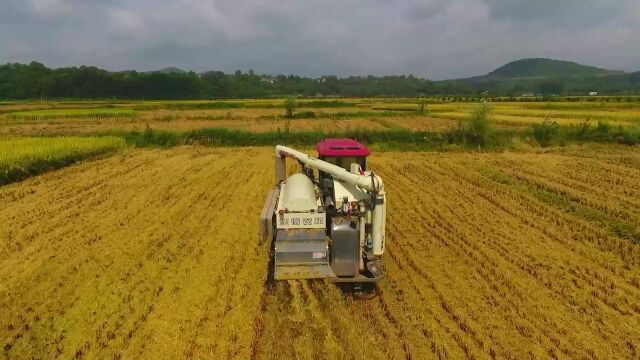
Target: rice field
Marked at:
22, 156
72, 118
70, 113
154, 254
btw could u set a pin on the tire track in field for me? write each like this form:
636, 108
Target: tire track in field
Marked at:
388, 314
315, 319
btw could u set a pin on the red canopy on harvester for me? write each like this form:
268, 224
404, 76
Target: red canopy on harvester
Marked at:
341, 147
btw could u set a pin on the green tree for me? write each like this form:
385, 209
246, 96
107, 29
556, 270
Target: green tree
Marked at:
290, 105
480, 128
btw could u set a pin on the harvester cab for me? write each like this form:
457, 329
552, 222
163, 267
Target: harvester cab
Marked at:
331, 226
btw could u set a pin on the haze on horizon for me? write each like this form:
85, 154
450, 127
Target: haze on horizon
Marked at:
436, 39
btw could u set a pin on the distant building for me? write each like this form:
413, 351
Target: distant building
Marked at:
593, 93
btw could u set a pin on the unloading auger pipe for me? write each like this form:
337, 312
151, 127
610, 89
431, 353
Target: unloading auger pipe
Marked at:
372, 184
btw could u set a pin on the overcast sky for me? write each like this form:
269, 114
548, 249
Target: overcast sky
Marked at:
436, 39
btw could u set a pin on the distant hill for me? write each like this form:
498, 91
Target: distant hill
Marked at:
547, 68
547, 76
172, 70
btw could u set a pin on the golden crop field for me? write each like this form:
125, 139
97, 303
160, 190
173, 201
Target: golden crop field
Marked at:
256, 120
82, 117
154, 254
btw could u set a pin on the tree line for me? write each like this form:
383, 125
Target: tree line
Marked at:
36, 81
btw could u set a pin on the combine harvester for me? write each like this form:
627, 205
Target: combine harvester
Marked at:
329, 227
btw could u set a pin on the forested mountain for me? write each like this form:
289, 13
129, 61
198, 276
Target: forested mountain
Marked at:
552, 77
546, 68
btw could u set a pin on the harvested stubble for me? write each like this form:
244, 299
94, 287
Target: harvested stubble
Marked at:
154, 254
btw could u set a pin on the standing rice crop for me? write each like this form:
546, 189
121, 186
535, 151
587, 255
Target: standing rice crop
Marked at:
23, 157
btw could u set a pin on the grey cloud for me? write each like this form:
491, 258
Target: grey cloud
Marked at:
433, 38
426, 10
563, 13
